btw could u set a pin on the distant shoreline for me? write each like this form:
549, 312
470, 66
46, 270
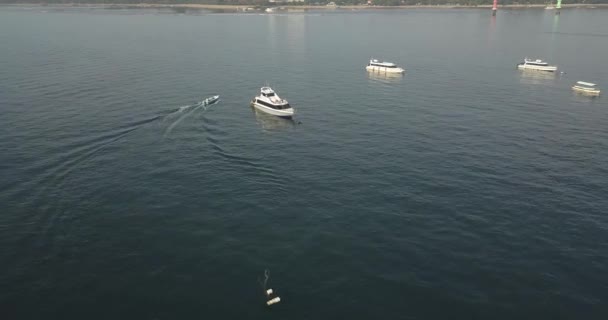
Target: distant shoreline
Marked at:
301, 7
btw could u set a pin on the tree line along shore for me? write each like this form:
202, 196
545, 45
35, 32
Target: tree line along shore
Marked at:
308, 4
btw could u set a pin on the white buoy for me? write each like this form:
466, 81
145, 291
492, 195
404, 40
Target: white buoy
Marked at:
268, 292
273, 301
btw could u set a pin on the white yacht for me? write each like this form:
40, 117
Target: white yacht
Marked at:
586, 88
539, 65
378, 66
270, 102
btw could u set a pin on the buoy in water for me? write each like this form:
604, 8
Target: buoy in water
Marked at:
269, 292
273, 301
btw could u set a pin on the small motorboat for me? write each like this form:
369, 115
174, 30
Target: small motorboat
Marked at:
383, 66
270, 102
210, 100
536, 64
586, 88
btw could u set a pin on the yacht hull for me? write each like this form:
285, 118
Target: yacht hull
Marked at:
285, 113
384, 69
522, 66
587, 91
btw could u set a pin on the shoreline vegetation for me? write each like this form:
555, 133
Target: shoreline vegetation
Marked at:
290, 5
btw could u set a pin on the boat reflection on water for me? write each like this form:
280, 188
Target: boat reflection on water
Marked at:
272, 123
536, 77
586, 99
385, 77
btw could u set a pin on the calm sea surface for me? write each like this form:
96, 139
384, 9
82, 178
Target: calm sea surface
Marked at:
465, 189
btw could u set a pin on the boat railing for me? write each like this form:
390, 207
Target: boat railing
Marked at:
589, 84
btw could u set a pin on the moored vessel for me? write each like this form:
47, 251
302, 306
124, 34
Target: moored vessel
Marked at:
269, 102
586, 88
383, 66
536, 64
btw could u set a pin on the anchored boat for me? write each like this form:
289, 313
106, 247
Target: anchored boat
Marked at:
387, 67
270, 102
538, 65
586, 88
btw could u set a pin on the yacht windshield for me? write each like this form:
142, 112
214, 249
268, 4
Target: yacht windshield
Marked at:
383, 65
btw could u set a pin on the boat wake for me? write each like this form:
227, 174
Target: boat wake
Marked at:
86, 149
175, 112
254, 168
180, 119
52, 175
53, 170
190, 109
48, 190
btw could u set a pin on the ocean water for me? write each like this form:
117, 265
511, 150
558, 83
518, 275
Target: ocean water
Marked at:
465, 189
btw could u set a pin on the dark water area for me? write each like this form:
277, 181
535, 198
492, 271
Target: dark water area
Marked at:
465, 189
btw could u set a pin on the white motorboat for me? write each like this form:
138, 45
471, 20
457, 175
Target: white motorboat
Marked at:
378, 66
210, 100
586, 88
549, 7
270, 102
538, 65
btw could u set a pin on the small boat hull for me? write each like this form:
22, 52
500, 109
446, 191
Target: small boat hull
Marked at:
523, 66
384, 69
210, 100
285, 113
